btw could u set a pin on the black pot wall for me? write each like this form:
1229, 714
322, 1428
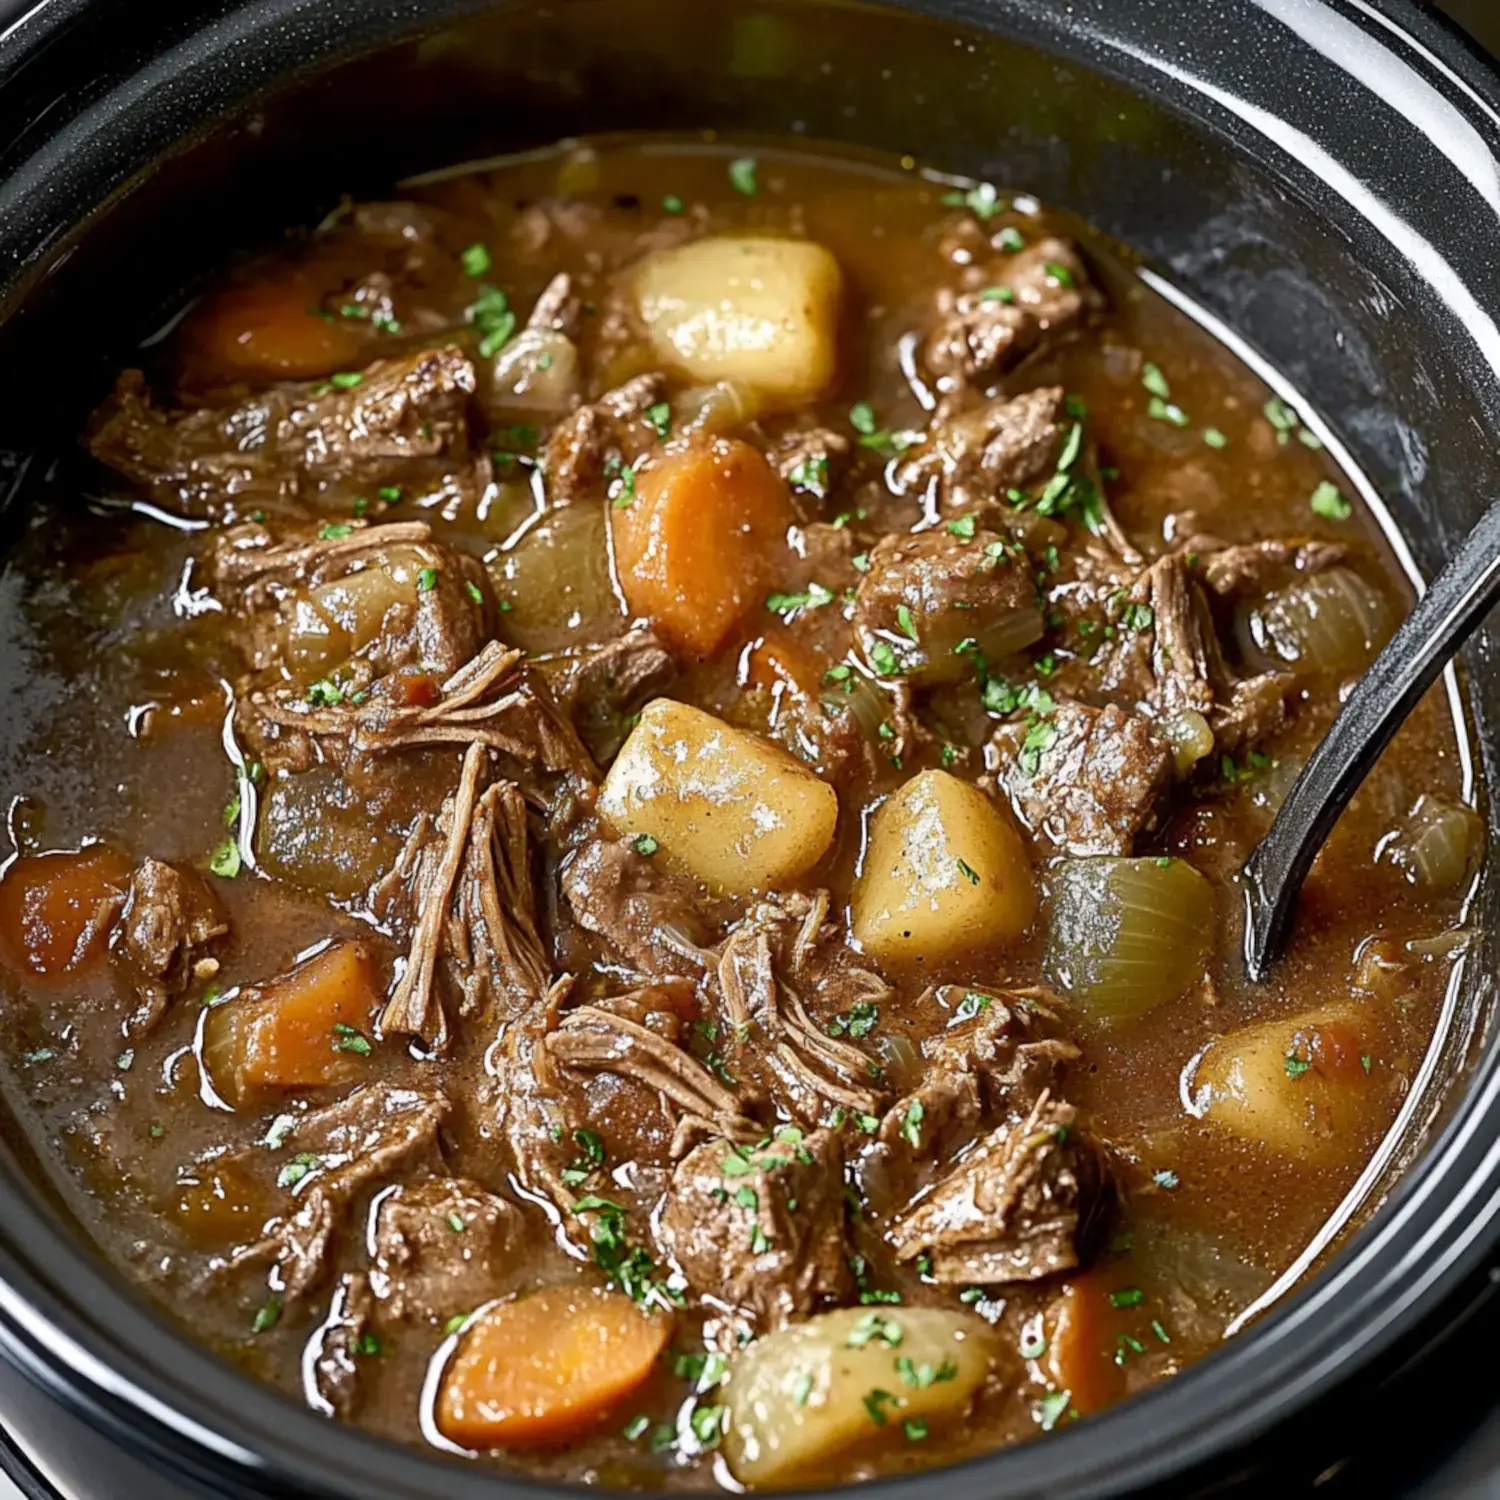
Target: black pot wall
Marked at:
1330, 192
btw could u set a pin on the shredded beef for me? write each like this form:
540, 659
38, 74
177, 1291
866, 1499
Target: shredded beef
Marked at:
980, 334
612, 432
169, 916
761, 1228
974, 453
344, 1148
1101, 779
274, 450
333, 1356
1018, 1207
809, 459
601, 687
1259, 567
463, 889
444, 1246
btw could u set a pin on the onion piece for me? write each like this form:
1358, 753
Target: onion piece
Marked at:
1128, 934
537, 371
1437, 845
1330, 622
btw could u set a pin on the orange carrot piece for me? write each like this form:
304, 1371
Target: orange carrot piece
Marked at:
271, 330
303, 1030
56, 909
701, 540
546, 1367
1082, 1338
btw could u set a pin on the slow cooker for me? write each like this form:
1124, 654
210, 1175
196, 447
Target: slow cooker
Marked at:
1320, 179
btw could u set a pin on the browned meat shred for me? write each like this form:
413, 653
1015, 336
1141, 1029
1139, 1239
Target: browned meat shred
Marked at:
169, 916
277, 449
1101, 780
344, 1339
612, 432
1016, 1209
761, 1228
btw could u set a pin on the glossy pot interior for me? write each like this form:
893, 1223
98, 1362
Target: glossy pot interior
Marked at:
1326, 186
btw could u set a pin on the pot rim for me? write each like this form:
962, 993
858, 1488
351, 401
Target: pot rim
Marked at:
75, 1329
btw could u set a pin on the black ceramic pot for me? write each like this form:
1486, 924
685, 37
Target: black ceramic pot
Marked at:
1319, 175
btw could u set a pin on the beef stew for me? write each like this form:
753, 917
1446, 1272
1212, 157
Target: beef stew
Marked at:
626, 804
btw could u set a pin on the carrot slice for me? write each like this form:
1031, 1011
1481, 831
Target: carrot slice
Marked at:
271, 330
1083, 1331
545, 1367
303, 1030
701, 540
56, 909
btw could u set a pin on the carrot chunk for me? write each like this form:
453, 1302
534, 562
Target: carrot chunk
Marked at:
303, 1030
1083, 1334
700, 541
271, 330
56, 909
545, 1367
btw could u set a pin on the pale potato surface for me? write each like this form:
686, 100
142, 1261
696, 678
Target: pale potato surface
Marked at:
725, 806
801, 1396
1253, 1082
945, 871
754, 309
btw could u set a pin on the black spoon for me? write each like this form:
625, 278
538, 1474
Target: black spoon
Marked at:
1446, 615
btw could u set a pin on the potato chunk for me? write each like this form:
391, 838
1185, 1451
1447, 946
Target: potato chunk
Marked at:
1301, 1086
945, 871
728, 807
760, 310
800, 1397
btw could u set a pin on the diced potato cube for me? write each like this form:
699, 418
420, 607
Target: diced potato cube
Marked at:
760, 310
945, 872
800, 1397
726, 806
1304, 1086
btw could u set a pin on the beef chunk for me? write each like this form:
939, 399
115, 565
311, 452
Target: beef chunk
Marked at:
463, 890
809, 460
444, 1246
1101, 778
344, 1338
1259, 567
1016, 1209
974, 453
601, 687
610, 433
1168, 661
276, 449
762, 1228
926, 595
168, 917
389, 596
782, 950
981, 332
339, 1151
649, 917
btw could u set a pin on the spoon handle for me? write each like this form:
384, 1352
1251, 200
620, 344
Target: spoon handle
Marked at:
1445, 616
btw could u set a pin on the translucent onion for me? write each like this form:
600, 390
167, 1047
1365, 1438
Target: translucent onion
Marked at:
722, 407
1190, 736
316, 831
857, 696
537, 371
1128, 934
329, 623
899, 1060
996, 639
556, 582
1438, 845
1330, 622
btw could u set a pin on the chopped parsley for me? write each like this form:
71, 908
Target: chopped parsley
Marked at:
672, 204
873, 1326
225, 861
997, 294
1166, 411
473, 590
646, 845
1155, 382
1166, 1179
1328, 501
268, 1316
335, 531
963, 528
911, 1124
1058, 273
325, 694
1282, 418
968, 872
875, 1402
1295, 1065
476, 259
623, 1261
915, 1429
347, 1038
742, 176
1214, 438
659, 415
491, 314
1130, 1296
346, 380
814, 596
923, 1375
811, 478
971, 1005
982, 201
636, 1427
1010, 239
859, 1021
427, 580
297, 1168
883, 659
1054, 1406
